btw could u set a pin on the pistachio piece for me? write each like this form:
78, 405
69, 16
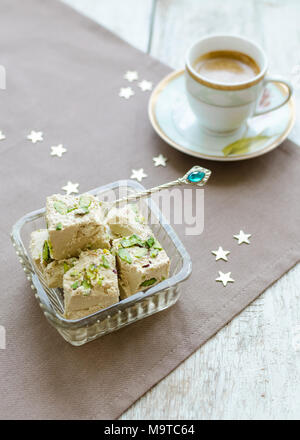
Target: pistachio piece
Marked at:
157, 245
105, 263
46, 252
140, 252
154, 253
86, 285
60, 207
84, 201
150, 242
133, 240
66, 267
147, 283
75, 285
125, 255
82, 210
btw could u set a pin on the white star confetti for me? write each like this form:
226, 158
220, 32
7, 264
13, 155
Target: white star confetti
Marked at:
58, 150
35, 136
2, 136
221, 254
131, 75
160, 160
242, 237
126, 92
145, 85
139, 175
71, 188
225, 278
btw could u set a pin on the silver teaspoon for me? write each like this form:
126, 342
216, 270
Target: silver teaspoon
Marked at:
197, 176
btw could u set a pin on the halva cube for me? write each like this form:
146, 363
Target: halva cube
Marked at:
74, 224
126, 220
37, 240
54, 271
141, 262
91, 285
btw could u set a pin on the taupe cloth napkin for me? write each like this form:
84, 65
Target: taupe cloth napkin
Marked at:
64, 73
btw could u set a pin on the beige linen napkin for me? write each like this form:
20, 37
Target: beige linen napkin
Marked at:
64, 73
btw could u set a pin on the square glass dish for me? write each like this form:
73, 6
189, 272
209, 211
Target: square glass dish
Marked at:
127, 311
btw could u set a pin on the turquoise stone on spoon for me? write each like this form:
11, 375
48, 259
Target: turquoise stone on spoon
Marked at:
197, 176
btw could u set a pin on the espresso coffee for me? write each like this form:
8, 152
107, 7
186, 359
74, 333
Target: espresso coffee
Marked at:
226, 66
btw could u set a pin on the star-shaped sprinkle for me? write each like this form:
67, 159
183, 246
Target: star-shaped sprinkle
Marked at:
126, 92
58, 150
242, 237
35, 136
131, 75
160, 160
145, 85
221, 254
2, 136
225, 278
71, 188
138, 174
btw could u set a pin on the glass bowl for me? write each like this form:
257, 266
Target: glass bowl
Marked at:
138, 306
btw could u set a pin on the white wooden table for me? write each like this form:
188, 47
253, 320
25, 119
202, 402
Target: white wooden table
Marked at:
251, 368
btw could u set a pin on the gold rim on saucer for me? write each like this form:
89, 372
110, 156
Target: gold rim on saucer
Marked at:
155, 124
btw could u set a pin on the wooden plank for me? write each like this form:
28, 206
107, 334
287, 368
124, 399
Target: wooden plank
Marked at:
129, 19
178, 24
280, 21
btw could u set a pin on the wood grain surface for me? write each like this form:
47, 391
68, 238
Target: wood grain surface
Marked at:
251, 368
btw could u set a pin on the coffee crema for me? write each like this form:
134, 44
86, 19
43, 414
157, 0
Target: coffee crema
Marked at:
226, 66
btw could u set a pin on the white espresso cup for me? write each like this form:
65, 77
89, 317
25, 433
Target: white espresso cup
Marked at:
223, 107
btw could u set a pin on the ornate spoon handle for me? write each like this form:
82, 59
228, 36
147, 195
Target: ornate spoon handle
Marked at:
195, 176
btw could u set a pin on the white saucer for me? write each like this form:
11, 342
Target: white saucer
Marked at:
174, 121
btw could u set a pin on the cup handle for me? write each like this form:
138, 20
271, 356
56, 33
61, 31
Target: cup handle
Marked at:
276, 79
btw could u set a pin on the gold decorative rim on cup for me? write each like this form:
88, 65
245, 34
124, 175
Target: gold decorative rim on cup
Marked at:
218, 86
